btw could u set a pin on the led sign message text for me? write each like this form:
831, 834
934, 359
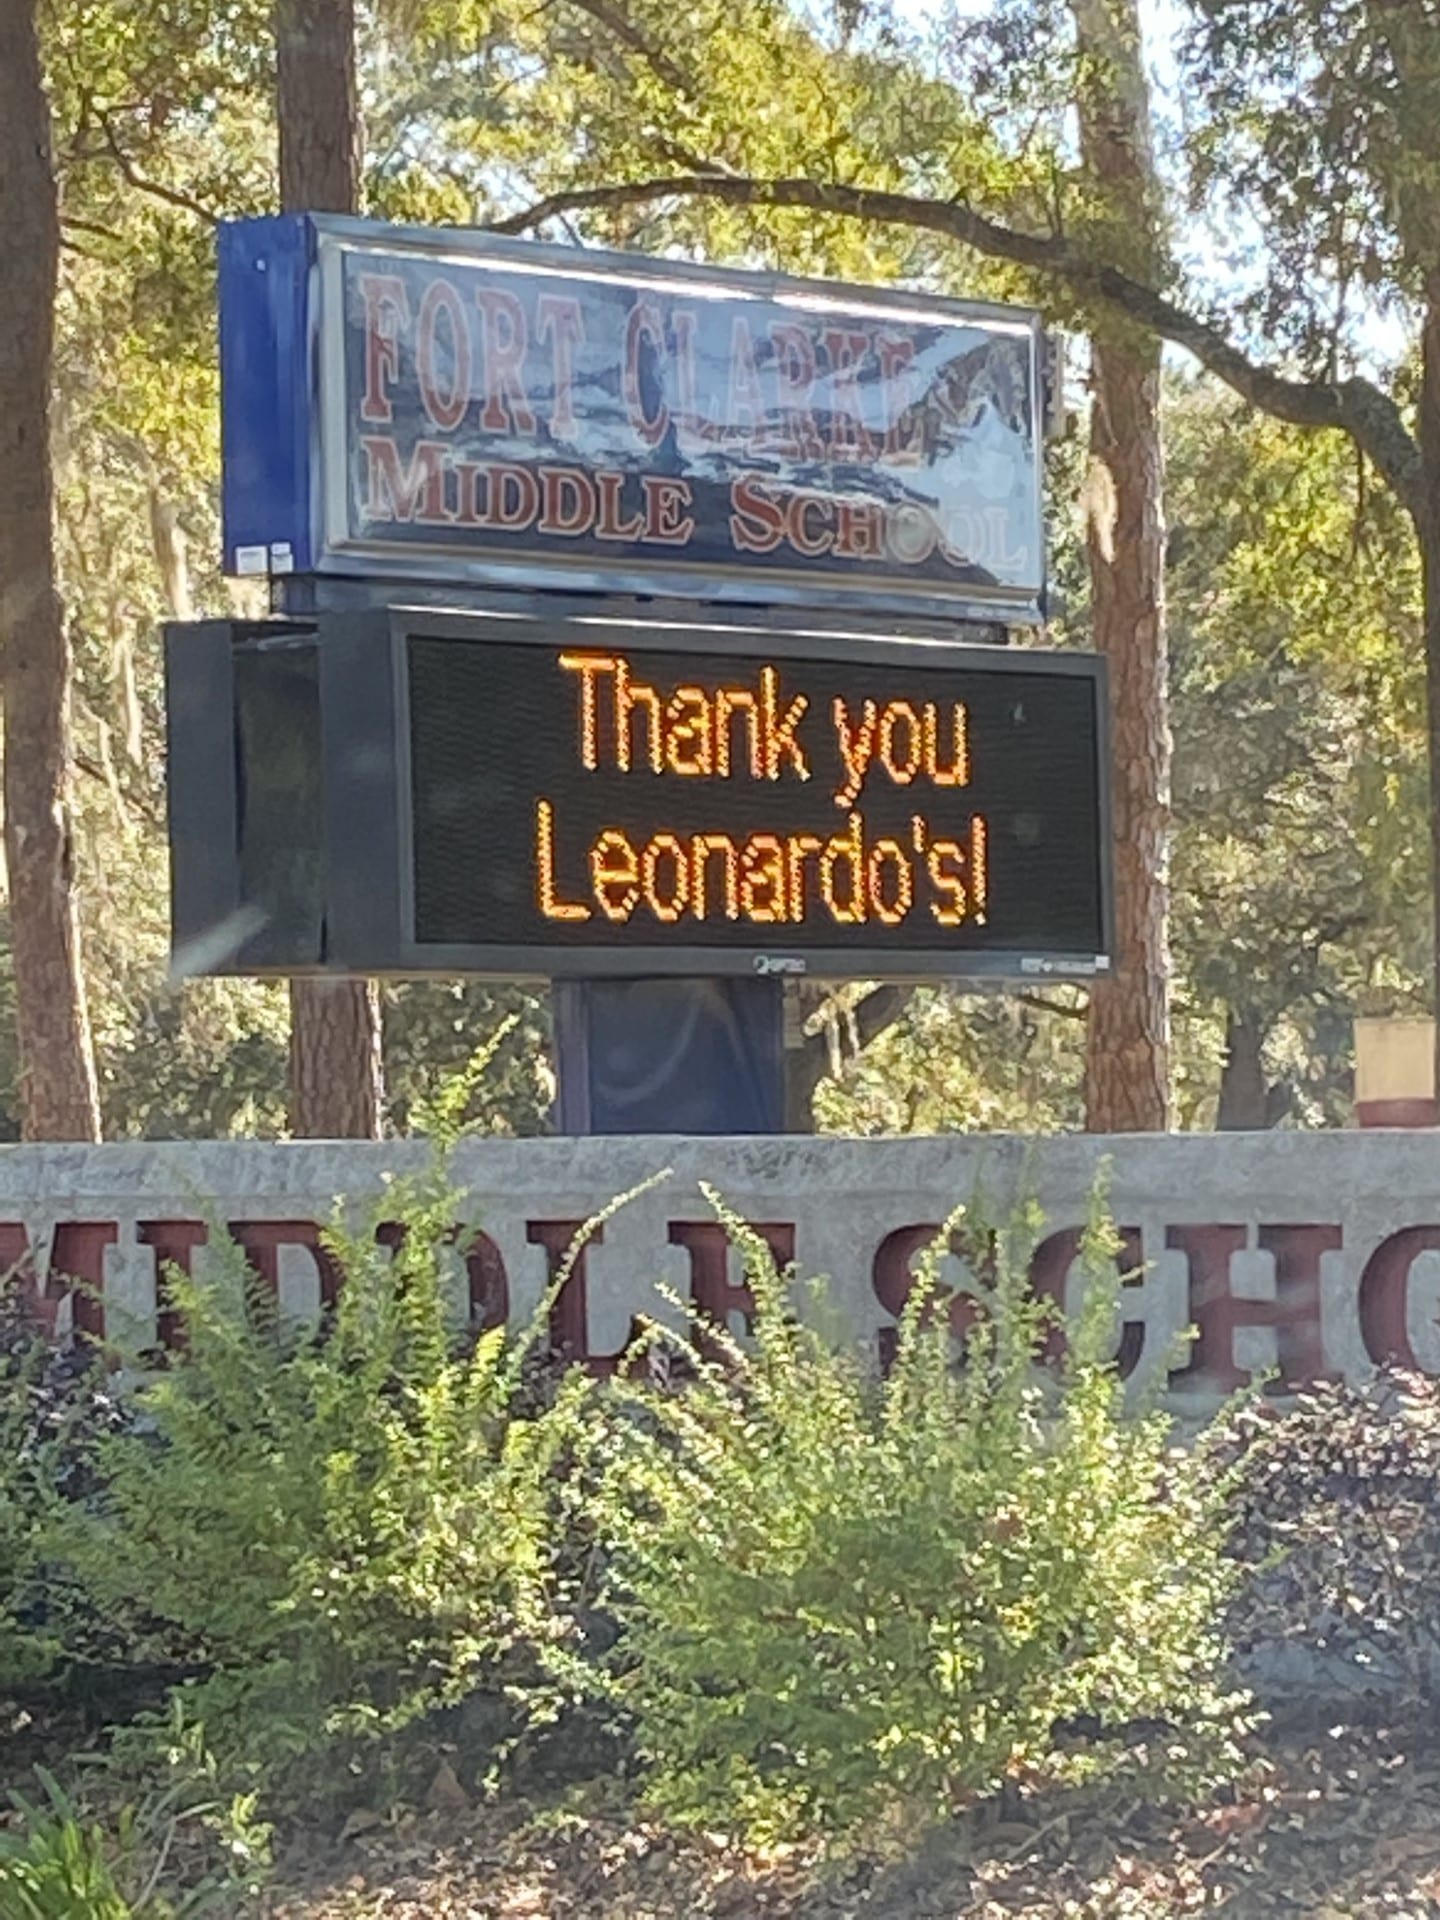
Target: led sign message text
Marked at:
613, 794
595, 416
769, 879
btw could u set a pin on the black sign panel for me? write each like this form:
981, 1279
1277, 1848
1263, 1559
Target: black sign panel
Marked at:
627, 799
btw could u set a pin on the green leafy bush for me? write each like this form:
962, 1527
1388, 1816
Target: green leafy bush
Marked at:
60, 1867
24, 1652
60, 1860
341, 1528
847, 1601
55, 1406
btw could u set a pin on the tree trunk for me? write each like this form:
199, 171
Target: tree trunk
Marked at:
1127, 1059
317, 106
807, 1055
1427, 526
336, 1077
1127, 1051
58, 1099
336, 1080
1244, 1091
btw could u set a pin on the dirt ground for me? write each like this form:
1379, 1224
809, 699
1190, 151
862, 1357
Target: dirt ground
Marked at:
1338, 1822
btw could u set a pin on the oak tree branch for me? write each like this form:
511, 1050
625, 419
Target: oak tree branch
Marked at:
618, 23
1355, 405
156, 189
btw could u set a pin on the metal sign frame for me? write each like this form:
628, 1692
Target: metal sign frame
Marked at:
286, 424
368, 905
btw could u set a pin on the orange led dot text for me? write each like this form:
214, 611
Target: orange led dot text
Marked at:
767, 879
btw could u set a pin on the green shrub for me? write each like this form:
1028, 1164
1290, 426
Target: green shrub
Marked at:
341, 1528
61, 1867
59, 1860
55, 1406
848, 1602
24, 1652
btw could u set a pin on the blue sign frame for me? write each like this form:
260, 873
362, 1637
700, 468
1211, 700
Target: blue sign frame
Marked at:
414, 406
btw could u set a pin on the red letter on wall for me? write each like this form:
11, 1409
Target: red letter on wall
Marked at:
714, 1293
488, 1284
76, 1272
1385, 1294
261, 1240
1050, 1266
893, 1281
1294, 1313
570, 1315
174, 1242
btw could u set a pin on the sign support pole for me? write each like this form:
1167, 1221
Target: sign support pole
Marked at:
670, 1055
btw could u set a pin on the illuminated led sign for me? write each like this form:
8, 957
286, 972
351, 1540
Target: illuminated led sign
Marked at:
409, 791
618, 790
452, 405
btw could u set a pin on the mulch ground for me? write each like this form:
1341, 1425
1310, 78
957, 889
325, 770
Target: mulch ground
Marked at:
1337, 1824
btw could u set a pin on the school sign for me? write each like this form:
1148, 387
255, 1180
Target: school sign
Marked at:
1303, 1254
496, 411
631, 618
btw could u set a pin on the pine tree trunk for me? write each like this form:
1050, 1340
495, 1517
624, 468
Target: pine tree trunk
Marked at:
1127, 1059
317, 106
336, 1078
1127, 1050
58, 1099
336, 1082
1427, 526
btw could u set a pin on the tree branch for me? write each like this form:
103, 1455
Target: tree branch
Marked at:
615, 22
172, 196
880, 1009
1042, 1005
669, 72
75, 223
1354, 406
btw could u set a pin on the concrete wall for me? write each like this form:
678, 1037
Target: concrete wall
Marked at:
1312, 1252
